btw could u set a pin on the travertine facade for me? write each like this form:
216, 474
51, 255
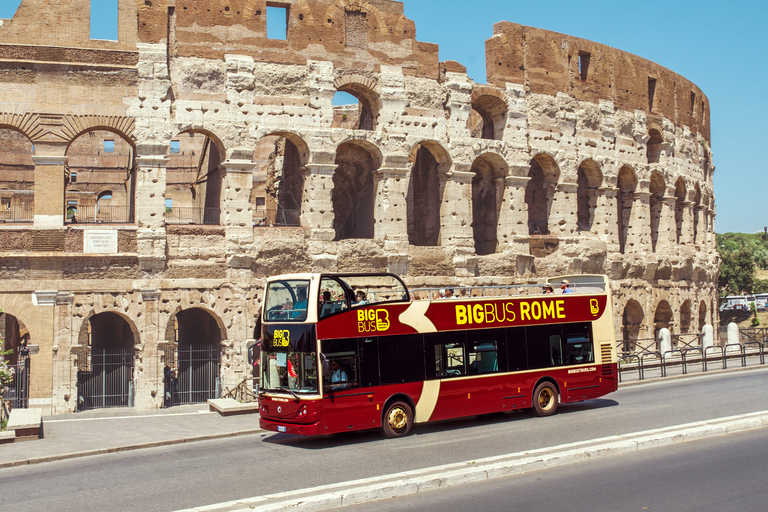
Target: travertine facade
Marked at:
222, 159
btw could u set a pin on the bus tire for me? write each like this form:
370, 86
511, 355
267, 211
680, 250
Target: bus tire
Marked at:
398, 419
545, 399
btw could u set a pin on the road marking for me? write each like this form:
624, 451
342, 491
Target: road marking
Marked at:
333, 496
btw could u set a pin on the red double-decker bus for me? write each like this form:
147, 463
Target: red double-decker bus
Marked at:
343, 352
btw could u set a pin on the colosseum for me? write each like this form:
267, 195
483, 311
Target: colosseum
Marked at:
150, 184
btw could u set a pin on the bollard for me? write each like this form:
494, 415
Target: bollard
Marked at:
708, 338
665, 341
733, 338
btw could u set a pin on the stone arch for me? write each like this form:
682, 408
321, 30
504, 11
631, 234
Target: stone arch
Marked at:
489, 113
681, 195
341, 6
194, 178
625, 201
702, 315
279, 176
109, 329
589, 180
364, 89
353, 193
631, 324
663, 318
654, 146
75, 126
17, 175
428, 162
171, 328
657, 188
487, 198
540, 192
27, 123
685, 317
14, 334
98, 159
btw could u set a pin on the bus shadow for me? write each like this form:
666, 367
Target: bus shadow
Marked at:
375, 435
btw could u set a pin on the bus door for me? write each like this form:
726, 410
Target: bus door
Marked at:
350, 368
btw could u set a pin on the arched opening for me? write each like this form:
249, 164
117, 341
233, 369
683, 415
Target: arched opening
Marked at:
685, 317
631, 324
680, 195
662, 319
656, 203
702, 315
540, 192
353, 191
488, 117
428, 161
654, 147
100, 160
194, 179
193, 377
589, 179
17, 177
278, 180
625, 200
355, 107
487, 197
14, 338
696, 213
105, 362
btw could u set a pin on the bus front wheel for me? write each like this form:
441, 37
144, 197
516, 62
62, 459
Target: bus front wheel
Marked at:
545, 399
398, 419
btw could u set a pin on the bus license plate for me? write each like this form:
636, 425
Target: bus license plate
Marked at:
280, 429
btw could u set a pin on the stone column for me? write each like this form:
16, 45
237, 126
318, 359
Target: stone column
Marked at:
391, 209
700, 223
513, 214
456, 209
317, 206
562, 216
41, 384
237, 210
667, 226
686, 231
639, 229
50, 162
64, 396
148, 371
151, 164
606, 222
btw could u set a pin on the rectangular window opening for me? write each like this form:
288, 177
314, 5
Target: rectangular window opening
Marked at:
693, 102
651, 92
73, 177
277, 21
104, 20
109, 146
175, 147
584, 65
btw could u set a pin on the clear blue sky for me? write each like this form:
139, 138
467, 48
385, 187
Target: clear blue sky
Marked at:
720, 46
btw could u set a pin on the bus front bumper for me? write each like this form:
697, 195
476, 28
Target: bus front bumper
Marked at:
311, 429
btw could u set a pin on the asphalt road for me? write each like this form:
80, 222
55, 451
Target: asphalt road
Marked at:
711, 475
184, 476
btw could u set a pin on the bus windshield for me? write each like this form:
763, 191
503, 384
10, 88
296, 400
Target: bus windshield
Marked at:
295, 372
286, 301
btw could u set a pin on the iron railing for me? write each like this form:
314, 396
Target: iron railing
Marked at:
192, 215
105, 378
96, 214
192, 374
23, 212
17, 394
276, 217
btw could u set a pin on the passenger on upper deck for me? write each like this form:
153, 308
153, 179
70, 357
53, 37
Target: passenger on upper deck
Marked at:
565, 285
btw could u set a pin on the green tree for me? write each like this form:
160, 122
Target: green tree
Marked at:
737, 273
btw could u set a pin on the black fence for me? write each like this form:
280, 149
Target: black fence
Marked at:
194, 376
105, 378
17, 394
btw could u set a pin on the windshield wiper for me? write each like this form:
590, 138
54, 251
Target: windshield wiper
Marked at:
294, 395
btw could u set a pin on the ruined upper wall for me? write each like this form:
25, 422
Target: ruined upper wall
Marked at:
355, 34
548, 62
65, 23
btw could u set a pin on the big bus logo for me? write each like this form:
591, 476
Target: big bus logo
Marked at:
372, 320
282, 338
594, 307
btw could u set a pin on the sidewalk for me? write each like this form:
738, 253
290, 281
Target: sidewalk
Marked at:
111, 430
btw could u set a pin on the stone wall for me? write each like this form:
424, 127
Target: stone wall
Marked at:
561, 164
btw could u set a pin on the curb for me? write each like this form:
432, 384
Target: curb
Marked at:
356, 492
118, 449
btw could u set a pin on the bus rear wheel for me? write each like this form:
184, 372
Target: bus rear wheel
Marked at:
398, 419
545, 399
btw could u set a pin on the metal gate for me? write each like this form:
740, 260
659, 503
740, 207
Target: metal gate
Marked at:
17, 393
105, 378
194, 378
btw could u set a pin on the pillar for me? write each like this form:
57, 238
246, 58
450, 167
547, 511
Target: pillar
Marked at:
151, 164
391, 210
237, 211
562, 215
317, 205
456, 209
639, 229
606, 222
148, 370
50, 162
513, 214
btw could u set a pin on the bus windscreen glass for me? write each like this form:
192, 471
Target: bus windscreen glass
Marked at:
286, 301
295, 372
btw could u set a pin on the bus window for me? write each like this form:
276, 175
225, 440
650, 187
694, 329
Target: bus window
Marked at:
579, 349
401, 359
516, 349
556, 350
341, 369
332, 298
543, 344
449, 360
287, 301
483, 358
